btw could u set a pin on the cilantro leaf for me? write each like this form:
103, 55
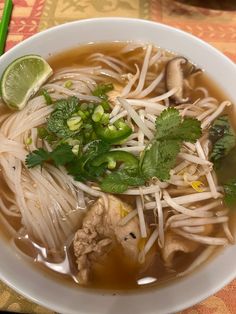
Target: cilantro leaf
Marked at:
61, 155
230, 193
168, 121
37, 157
188, 131
223, 138
56, 123
159, 158
67, 106
170, 126
113, 184
119, 181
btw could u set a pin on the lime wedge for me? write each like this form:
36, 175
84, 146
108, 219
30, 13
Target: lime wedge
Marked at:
22, 79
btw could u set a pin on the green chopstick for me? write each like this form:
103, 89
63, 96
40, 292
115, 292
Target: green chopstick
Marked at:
6, 17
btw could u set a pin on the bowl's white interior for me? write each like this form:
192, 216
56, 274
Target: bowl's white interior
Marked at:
20, 275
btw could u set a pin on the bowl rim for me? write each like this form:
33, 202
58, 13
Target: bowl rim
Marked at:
203, 294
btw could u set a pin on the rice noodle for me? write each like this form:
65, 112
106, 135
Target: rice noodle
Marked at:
69, 92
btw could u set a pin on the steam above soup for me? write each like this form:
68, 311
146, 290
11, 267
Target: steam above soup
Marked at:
108, 174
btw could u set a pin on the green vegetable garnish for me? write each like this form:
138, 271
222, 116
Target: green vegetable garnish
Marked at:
74, 123
119, 181
47, 97
28, 141
61, 155
101, 92
160, 155
222, 137
159, 158
57, 122
128, 160
170, 126
82, 168
114, 133
98, 113
68, 84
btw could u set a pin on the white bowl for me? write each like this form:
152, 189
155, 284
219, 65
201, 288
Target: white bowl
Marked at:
23, 277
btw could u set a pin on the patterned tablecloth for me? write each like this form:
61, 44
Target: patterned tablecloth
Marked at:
215, 23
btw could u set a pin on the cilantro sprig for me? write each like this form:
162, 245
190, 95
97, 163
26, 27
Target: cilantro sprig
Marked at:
160, 156
60, 156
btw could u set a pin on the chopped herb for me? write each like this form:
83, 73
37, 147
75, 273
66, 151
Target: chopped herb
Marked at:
44, 134
67, 106
102, 90
74, 123
47, 97
98, 113
28, 141
68, 84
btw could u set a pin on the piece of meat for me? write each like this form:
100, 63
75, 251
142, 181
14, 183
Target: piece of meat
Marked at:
101, 231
